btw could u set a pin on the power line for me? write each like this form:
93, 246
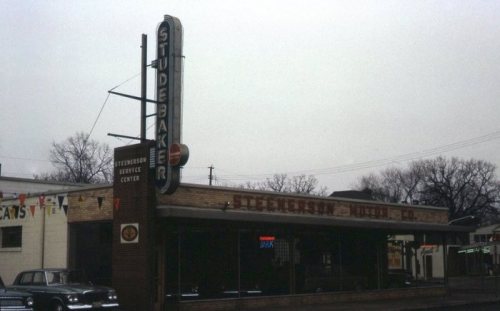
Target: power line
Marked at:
133, 77
106, 100
24, 159
379, 162
98, 116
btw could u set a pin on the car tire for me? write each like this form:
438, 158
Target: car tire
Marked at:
57, 306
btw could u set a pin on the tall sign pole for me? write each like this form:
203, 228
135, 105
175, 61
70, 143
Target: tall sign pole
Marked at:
144, 50
171, 155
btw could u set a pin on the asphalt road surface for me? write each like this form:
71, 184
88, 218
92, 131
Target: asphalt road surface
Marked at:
481, 307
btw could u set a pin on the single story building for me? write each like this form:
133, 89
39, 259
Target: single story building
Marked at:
205, 247
219, 248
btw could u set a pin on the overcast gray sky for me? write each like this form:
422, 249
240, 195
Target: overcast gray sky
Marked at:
331, 88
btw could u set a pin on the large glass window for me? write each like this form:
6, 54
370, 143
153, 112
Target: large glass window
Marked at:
90, 250
201, 263
212, 261
265, 262
318, 262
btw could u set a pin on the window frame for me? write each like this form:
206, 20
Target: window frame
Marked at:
11, 237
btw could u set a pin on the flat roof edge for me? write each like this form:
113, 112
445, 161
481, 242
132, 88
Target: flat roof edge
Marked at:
332, 221
308, 196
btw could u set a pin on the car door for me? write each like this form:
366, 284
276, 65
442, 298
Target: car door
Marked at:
33, 282
39, 290
25, 283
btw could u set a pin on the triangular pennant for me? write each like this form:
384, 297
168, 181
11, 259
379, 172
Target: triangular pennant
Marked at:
60, 199
65, 208
41, 200
32, 210
22, 198
99, 201
80, 198
116, 203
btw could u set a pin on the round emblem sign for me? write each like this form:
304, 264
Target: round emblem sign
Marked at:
129, 233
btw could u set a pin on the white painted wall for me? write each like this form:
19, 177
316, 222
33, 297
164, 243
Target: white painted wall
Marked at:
436, 253
33, 220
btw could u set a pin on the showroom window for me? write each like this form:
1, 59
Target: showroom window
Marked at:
12, 236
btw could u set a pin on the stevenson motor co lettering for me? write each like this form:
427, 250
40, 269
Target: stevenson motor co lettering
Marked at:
313, 207
129, 169
283, 205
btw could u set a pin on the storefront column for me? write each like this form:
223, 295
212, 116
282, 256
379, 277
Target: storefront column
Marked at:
445, 262
340, 263
159, 274
291, 250
379, 281
417, 264
239, 263
179, 248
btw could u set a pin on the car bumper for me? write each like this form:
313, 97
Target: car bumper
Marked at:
89, 306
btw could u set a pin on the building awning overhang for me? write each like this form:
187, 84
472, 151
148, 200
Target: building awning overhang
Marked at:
479, 247
169, 211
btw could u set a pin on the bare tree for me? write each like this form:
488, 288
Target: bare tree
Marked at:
464, 187
392, 185
279, 183
81, 160
373, 183
249, 185
411, 180
301, 184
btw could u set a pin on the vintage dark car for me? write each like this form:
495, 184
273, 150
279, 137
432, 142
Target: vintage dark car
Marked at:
399, 278
11, 300
60, 289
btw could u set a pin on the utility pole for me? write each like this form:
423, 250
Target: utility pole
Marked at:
210, 177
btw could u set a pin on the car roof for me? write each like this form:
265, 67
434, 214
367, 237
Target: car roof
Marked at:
44, 270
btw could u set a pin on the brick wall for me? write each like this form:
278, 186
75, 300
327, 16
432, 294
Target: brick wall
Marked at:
84, 205
133, 262
217, 198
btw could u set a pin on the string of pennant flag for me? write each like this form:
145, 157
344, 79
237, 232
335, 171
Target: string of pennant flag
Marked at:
43, 202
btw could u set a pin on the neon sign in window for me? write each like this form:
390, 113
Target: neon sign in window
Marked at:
266, 241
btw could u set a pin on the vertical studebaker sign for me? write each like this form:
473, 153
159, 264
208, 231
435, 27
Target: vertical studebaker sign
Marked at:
171, 155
